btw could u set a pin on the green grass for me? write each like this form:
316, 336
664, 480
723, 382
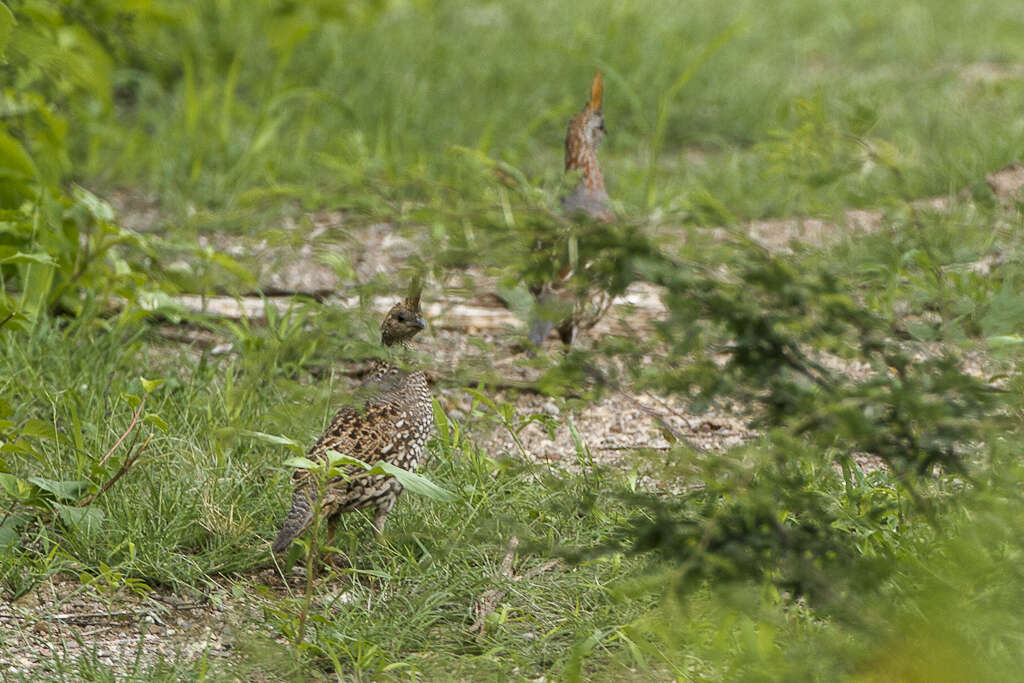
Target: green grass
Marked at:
358, 106
197, 507
236, 116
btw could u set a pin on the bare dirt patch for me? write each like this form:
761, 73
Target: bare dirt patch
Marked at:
62, 621
1006, 183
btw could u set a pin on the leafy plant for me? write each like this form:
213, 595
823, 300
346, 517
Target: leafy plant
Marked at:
59, 249
71, 499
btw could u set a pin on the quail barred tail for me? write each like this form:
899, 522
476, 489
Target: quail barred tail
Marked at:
299, 517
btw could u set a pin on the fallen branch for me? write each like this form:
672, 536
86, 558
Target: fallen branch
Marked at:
491, 598
81, 618
506, 564
539, 569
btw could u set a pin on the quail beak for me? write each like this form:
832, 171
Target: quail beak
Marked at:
419, 323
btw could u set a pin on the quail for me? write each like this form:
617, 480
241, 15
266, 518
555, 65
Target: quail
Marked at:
393, 425
559, 305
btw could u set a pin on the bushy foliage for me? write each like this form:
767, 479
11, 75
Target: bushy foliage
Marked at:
60, 245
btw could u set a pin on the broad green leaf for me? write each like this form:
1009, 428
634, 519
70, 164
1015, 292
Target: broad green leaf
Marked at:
148, 385
16, 488
37, 285
85, 519
12, 255
9, 526
99, 208
416, 483
272, 438
667, 435
37, 428
64, 490
156, 421
579, 652
335, 459
19, 446
518, 299
301, 463
1005, 340
576, 439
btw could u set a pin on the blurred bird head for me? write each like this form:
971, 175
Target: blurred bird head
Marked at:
586, 129
404, 320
